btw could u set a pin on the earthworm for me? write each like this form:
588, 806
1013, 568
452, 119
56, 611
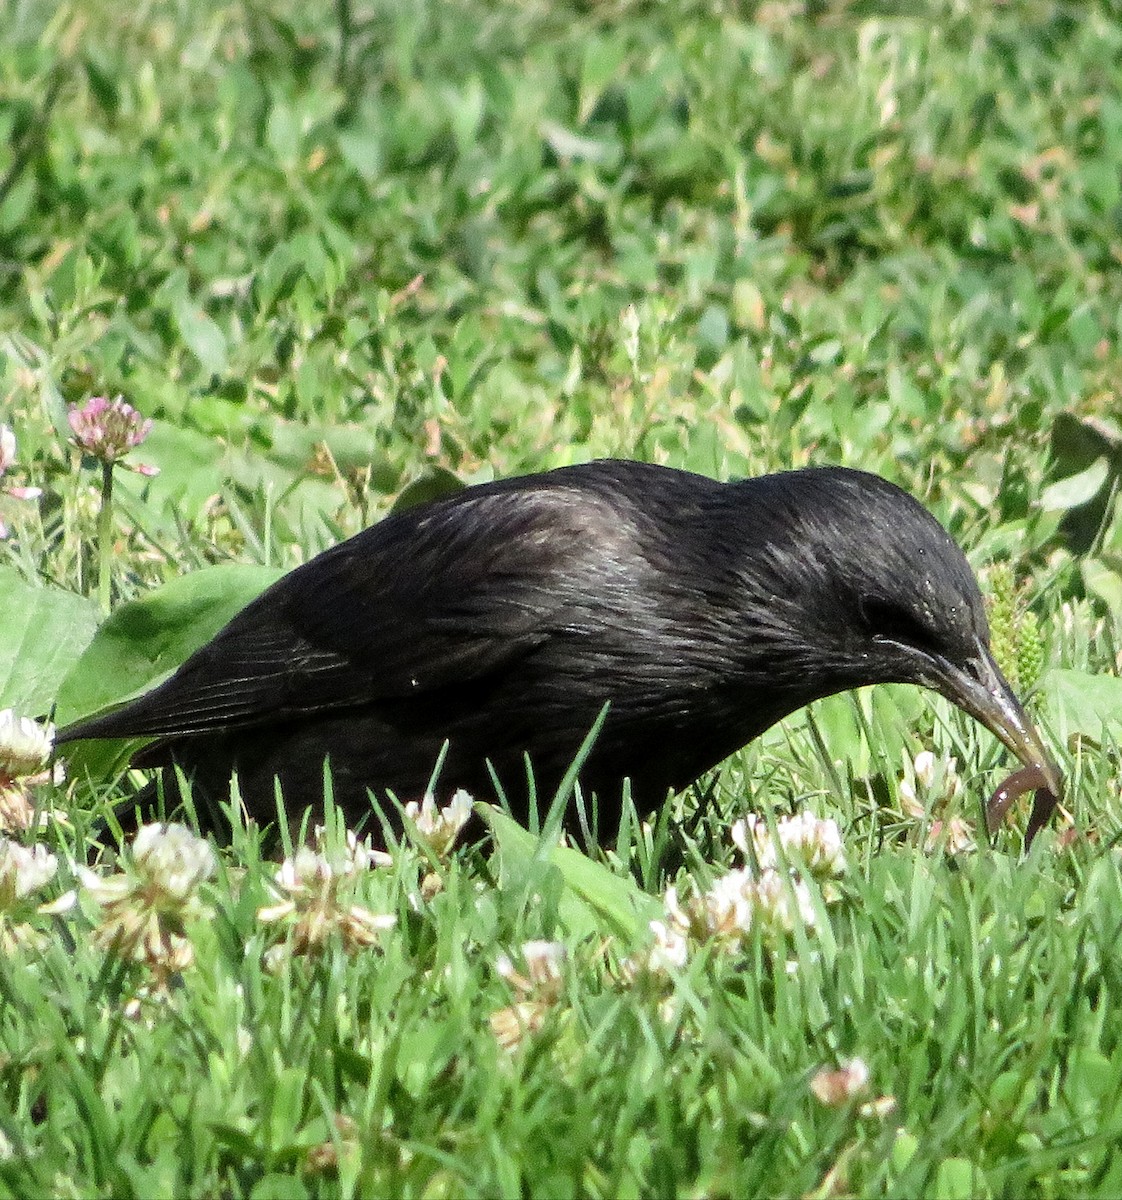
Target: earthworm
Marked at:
1027, 779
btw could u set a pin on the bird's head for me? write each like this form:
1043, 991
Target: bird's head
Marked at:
881, 592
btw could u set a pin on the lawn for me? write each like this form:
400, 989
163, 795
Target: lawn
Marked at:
348, 257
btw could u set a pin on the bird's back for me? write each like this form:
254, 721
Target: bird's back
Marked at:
499, 621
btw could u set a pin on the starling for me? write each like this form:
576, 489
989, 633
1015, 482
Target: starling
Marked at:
492, 628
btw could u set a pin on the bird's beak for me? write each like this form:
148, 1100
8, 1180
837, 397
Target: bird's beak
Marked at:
981, 690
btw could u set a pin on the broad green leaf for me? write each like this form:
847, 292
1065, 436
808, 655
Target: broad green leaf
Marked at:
200, 333
43, 630
146, 639
956, 1180
1077, 442
361, 148
282, 131
279, 1186
595, 898
1076, 489
904, 1149
892, 714
600, 67
435, 484
1079, 702
1103, 577
192, 469
1092, 1078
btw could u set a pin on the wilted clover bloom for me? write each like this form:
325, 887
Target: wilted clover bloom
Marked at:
108, 429
145, 910
439, 828
538, 990
836, 1088
543, 975
313, 906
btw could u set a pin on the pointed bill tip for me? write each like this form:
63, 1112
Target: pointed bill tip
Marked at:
982, 691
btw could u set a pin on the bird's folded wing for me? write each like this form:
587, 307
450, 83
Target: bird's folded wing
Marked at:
427, 599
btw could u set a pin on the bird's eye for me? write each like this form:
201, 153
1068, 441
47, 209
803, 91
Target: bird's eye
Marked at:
890, 623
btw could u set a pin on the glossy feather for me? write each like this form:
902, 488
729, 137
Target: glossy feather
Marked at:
502, 619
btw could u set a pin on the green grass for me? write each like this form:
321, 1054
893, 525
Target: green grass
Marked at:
347, 254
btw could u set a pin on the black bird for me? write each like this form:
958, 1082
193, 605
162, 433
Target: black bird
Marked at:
502, 619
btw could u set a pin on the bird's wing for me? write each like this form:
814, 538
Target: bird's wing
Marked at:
426, 599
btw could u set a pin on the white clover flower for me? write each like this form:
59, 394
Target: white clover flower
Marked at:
669, 952
173, 859
312, 908
722, 915
25, 749
23, 870
312, 866
25, 745
910, 803
671, 949
776, 899
928, 778
784, 900
836, 1088
924, 766
679, 917
144, 912
928, 788
751, 837
315, 920
544, 961
357, 855
439, 828
544, 964
305, 871
813, 841
729, 905
538, 991
957, 833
